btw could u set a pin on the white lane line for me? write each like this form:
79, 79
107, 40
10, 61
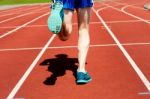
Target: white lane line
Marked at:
129, 58
19, 12
21, 15
142, 8
12, 9
144, 93
21, 8
64, 47
125, 21
44, 25
12, 31
119, 3
112, 22
54, 47
26, 74
122, 10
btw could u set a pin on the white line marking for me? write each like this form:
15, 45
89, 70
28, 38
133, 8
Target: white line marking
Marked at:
54, 47
131, 61
26, 74
44, 25
22, 10
141, 8
119, 3
12, 9
125, 21
61, 47
144, 93
26, 9
22, 7
112, 22
134, 5
122, 10
12, 31
21, 15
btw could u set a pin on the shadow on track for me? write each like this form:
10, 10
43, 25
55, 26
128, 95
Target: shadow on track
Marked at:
58, 66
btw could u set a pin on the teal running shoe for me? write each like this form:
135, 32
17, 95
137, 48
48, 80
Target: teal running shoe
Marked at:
83, 78
56, 17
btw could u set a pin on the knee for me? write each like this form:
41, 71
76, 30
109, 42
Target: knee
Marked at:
65, 32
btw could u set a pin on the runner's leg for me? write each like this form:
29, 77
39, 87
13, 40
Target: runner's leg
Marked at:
84, 39
67, 25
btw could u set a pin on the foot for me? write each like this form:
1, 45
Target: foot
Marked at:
55, 19
147, 6
83, 78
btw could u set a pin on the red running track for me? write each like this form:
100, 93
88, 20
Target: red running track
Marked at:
120, 43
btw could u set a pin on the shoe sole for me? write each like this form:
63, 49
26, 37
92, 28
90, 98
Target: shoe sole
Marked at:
55, 20
83, 81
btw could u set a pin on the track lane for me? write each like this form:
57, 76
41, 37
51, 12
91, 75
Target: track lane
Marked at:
20, 9
109, 87
12, 67
4, 20
23, 25
141, 55
133, 32
129, 2
146, 82
19, 23
21, 38
16, 63
115, 16
107, 79
24, 10
103, 67
16, 20
144, 14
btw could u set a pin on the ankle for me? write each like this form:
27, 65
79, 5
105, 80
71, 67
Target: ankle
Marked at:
81, 70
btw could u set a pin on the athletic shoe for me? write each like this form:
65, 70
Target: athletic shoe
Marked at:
56, 17
147, 6
83, 78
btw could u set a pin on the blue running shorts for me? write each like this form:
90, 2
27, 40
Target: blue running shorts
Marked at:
74, 4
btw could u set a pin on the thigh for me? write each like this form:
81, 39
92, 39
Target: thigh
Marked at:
68, 14
67, 23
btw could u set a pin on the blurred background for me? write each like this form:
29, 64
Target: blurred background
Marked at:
10, 2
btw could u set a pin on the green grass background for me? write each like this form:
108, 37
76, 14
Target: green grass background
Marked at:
10, 2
